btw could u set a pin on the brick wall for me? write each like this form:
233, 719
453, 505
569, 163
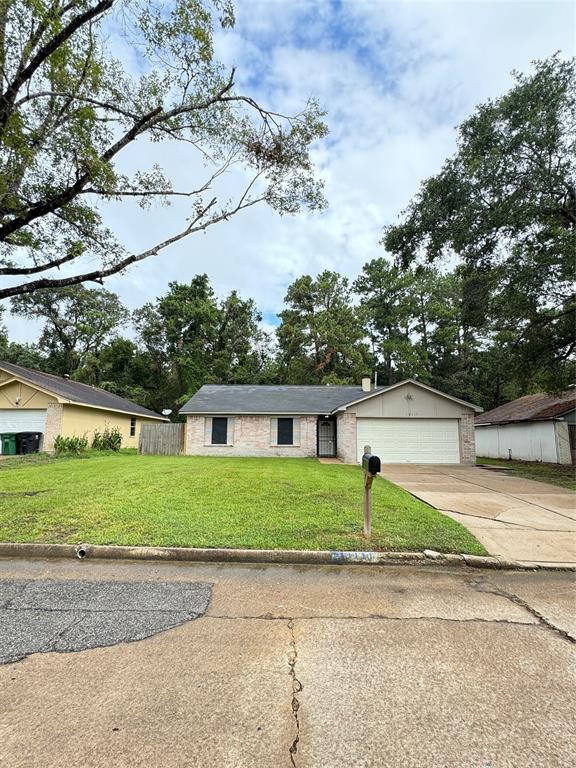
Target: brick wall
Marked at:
54, 414
251, 437
467, 440
346, 437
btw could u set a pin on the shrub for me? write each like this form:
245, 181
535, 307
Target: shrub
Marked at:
109, 440
70, 444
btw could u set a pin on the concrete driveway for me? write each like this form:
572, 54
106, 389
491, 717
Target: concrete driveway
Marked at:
514, 518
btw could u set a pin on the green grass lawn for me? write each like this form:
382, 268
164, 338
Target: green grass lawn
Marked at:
214, 502
557, 474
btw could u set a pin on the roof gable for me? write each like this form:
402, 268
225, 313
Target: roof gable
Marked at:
69, 391
384, 390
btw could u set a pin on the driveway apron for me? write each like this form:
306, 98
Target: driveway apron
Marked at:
516, 519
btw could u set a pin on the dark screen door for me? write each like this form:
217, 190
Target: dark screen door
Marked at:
326, 438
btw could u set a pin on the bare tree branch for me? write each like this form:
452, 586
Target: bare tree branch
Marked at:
146, 122
75, 97
38, 267
68, 194
98, 275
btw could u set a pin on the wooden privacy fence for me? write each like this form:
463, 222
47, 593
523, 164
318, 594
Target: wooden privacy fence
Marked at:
163, 439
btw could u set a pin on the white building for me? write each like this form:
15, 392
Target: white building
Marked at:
537, 427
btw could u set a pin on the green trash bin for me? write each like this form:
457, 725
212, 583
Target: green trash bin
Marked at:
8, 443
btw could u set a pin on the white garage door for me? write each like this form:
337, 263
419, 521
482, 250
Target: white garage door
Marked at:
410, 441
14, 420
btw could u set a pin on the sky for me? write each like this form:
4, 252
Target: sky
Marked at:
396, 79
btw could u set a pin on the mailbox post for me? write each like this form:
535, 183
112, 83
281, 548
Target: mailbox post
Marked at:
371, 467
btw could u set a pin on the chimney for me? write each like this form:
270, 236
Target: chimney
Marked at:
366, 384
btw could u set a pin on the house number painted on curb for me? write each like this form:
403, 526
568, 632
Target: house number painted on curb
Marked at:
366, 557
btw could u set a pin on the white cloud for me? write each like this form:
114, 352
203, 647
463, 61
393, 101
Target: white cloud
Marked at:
395, 78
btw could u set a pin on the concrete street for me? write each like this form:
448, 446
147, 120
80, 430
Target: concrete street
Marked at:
289, 666
515, 518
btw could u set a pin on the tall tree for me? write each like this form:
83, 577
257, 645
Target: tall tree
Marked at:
241, 348
69, 111
191, 339
78, 322
505, 204
387, 306
27, 355
179, 331
121, 367
3, 333
320, 336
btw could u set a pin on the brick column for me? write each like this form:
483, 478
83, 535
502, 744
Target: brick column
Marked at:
54, 414
346, 437
467, 439
194, 435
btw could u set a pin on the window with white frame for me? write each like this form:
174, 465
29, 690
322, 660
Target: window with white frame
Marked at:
133, 426
219, 430
284, 430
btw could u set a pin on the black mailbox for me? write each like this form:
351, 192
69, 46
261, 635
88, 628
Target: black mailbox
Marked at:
371, 463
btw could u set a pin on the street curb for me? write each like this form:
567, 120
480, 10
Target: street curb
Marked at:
263, 556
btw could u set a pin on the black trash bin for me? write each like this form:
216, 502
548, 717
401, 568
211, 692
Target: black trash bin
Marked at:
28, 442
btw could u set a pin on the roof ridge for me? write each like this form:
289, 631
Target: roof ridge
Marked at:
65, 379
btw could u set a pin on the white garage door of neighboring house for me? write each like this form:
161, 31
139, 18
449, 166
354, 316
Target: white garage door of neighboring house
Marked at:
15, 420
410, 441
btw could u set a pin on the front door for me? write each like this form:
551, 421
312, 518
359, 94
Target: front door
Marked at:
326, 437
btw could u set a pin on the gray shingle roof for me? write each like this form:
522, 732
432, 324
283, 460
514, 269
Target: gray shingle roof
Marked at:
77, 392
247, 398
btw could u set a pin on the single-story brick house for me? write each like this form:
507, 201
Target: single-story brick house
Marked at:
536, 427
407, 422
32, 401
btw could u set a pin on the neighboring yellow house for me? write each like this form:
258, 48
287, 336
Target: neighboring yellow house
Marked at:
32, 401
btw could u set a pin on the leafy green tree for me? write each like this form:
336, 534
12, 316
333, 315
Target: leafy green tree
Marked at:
26, 355
505, 205
453, 344
179, 332
191, 339
320, 336
121, 367
3, 334
387, 308
78, 322
70, 111
241, 348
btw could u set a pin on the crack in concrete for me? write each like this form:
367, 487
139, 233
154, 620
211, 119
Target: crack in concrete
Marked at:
372, 617
296, 688
521, 526
511, 495
481, 586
